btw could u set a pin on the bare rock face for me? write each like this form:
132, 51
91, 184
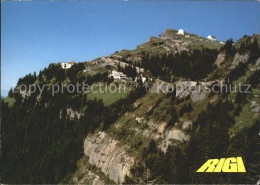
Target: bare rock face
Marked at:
160, 86
170, 136
186, 125
106, 154
153, 130
184, 88
199, 94
196, 91
220, 59
257, 64
239, 59
255, 108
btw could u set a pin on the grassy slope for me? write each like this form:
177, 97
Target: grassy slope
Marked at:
107, 96
246, 117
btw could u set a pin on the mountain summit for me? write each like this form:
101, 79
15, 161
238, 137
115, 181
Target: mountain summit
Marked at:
172, 41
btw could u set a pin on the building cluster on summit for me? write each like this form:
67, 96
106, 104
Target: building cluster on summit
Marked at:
209, 37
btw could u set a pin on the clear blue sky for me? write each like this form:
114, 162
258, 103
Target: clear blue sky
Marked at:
35, 34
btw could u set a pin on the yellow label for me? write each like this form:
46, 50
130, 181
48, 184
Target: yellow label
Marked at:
226, 165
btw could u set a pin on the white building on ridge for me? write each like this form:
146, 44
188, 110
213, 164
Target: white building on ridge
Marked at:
211, 37
180, 32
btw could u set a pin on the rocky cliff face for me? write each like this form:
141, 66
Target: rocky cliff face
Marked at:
238, 59
171, 136
112, 157
183, 89
106, 154
220, 59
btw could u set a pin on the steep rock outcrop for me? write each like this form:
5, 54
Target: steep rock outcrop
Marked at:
196, 91
160, 86
220, 59
106, 154
239, 59
170, 136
